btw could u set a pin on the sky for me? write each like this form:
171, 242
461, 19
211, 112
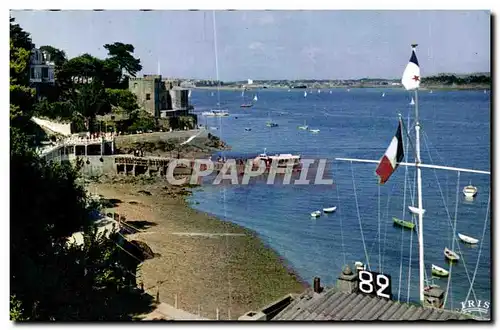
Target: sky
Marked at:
274, 44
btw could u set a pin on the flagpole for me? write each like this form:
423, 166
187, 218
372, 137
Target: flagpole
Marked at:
419, 191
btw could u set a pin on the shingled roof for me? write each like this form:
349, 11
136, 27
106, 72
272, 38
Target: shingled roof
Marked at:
341, 306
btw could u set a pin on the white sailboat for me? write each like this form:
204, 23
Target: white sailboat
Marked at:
255, 99
467, 239
189, 94
305, 93
319, 91
383, 94
411, 82
330, 92
304, 127
412, 101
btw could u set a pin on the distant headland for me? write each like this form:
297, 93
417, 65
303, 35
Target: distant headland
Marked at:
472, 81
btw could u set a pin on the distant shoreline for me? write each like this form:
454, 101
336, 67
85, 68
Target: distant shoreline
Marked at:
423, 88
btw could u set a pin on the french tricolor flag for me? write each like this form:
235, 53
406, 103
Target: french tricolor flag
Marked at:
393, 155
411, 75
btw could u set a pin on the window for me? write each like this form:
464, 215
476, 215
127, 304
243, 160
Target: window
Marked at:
148, 96
32, 73
45, 73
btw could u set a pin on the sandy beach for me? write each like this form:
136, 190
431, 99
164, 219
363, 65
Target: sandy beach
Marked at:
233, 273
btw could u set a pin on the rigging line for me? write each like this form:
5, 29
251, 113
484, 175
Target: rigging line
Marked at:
216, 59
404, 208
411, 232
449, 217
408, 138
389, 193
341, 226
379, 252
359, 217
480, 246
452, 240
441, 159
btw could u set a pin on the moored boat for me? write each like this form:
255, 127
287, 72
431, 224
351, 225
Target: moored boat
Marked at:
470, 191
315, 214
451, 255
304, 127
467, 239
314, 130
215, 113
403, 223
329, 209
438, 271
282, 160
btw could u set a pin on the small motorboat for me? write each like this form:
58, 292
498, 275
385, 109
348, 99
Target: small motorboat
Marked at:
451, 255
416, 210
467, 239
271, 124
248, 129
403, 223
246, 105
470, 191
438, 271
329, 209
314, 130
315, 214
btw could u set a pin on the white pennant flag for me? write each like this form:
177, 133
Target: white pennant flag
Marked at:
411, 75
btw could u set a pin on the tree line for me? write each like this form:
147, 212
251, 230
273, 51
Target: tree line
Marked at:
49, 279
454, 80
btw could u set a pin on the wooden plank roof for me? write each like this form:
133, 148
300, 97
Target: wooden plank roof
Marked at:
341, 306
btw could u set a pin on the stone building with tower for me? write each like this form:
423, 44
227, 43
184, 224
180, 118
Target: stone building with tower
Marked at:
162, 98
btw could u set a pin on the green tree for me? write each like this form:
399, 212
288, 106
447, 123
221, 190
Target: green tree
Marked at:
56, 55
121, 54
20, 37
89, 101
123, 99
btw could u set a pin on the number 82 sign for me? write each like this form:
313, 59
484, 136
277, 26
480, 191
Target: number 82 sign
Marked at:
374, 283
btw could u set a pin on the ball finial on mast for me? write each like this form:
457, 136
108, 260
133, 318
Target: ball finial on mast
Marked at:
414, 46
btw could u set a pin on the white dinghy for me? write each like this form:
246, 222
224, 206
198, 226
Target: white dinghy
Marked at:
329, 209
467, 239
451, 255
315, 214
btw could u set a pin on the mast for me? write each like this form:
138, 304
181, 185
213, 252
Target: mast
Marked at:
419, 196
